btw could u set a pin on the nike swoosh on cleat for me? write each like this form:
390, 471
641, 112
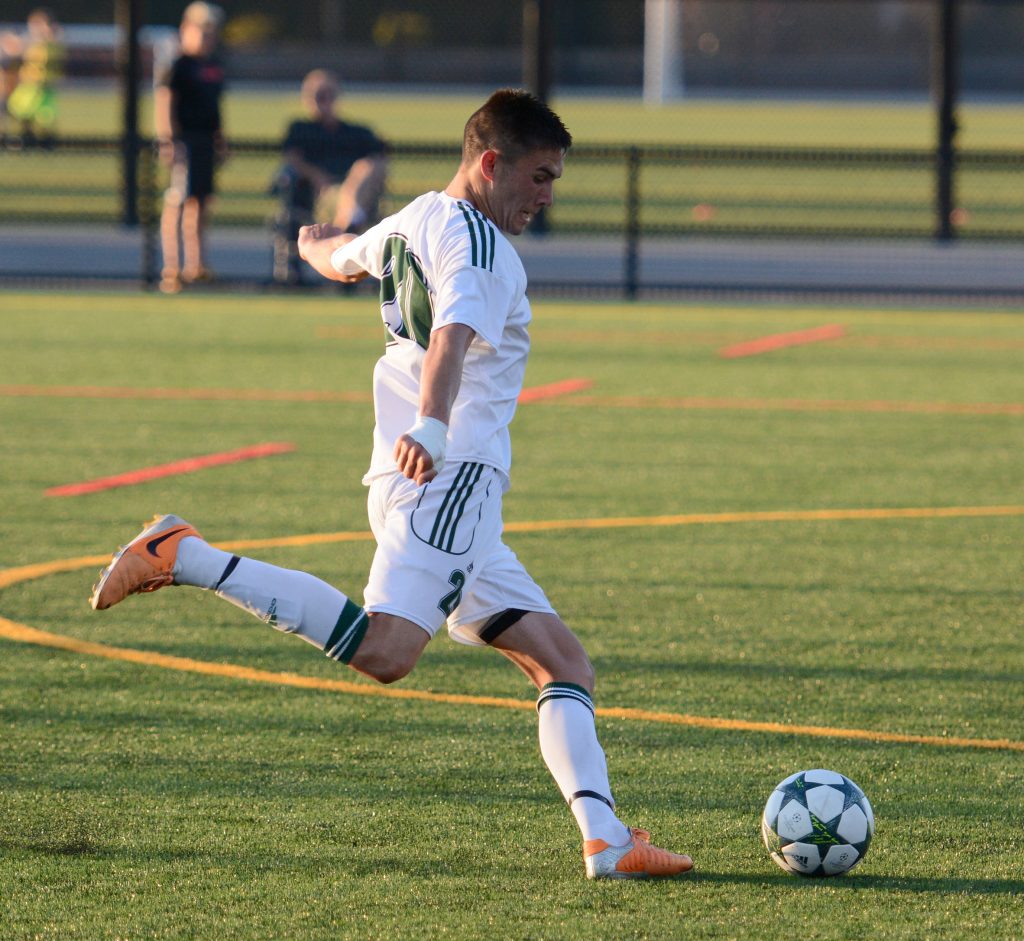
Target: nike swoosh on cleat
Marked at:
154, 544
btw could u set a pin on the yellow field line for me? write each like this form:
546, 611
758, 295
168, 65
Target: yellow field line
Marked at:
769, 516
13, 576
12, 630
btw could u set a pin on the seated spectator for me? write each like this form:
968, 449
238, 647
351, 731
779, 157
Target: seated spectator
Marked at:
326, 159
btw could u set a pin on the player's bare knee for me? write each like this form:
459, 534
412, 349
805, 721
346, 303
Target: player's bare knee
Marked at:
387, 672
577, 670
384, 667
584, 670
390, 649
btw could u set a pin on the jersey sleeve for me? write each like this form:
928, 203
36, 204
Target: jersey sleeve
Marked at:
363, 253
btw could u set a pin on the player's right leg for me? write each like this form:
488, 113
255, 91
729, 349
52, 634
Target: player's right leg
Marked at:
169, 551
544, 648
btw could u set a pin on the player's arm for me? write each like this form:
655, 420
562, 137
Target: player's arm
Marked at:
419, 453
317, 243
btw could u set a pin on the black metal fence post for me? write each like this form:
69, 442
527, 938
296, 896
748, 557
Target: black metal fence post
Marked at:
129, 16
945, 88
631, 275
538, 46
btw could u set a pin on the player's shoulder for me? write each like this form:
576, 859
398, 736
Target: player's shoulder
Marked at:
482, 244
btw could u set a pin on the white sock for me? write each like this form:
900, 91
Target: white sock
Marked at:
290, 601
568, 742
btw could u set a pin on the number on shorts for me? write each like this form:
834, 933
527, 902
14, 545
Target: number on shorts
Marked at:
451, 601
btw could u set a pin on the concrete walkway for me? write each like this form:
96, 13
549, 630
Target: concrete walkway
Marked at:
585, 264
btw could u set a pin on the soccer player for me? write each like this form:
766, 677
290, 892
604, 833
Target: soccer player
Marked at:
188, 125
453, 299
325, 159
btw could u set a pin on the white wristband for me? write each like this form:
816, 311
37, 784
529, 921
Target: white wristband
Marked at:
432, 435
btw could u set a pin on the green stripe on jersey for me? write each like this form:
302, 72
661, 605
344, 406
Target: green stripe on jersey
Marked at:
482, 236
404, 286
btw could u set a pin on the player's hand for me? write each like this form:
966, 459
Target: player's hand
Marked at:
319, 231
419, 453
310, 237
414, 460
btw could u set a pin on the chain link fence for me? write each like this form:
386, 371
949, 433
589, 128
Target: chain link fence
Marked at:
627, 219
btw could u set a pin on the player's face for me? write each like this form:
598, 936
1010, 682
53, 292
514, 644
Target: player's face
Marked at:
523, 187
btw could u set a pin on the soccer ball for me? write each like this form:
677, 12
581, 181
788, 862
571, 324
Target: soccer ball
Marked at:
817, 823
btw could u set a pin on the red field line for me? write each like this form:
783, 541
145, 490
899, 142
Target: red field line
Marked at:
778, 341
798, 405
186, 466
533, 394
554, 389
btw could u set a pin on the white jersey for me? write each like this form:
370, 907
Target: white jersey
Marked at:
440, 261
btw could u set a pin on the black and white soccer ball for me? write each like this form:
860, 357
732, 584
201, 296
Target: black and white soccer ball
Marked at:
817, 823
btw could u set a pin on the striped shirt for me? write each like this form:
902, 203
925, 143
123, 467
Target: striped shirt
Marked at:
440, 261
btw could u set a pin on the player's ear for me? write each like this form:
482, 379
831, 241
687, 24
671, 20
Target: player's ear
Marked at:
488, 161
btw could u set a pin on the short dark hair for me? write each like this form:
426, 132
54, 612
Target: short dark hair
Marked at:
513, 122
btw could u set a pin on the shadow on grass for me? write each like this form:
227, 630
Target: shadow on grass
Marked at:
377, 863
857, 882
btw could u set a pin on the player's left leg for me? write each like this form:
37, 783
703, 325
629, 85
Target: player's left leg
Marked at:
171, 552
544, 648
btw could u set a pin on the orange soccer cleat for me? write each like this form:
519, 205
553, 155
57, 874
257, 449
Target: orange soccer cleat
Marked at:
637, 859
145, 564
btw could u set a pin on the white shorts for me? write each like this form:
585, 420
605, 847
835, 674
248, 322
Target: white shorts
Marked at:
440, 556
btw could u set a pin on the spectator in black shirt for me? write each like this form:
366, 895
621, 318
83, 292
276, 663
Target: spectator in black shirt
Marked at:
326, 159
188, 125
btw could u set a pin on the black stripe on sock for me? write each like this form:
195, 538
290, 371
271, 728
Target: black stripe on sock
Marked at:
346, 655
229, 568
350, 628
499, 623
594, 795
564, 691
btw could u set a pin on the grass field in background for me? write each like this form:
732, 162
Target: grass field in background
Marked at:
143, 802
410, 116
